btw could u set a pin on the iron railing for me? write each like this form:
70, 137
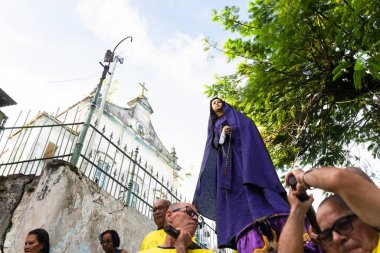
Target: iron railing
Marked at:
117, 168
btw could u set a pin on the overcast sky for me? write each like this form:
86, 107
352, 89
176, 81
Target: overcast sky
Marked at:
50, 51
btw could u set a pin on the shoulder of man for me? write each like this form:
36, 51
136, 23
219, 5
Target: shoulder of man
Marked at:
200, 251
153, 239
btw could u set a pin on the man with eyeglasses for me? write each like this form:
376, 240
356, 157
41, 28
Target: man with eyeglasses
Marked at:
352, 184
157, 237
343, 231
183, 217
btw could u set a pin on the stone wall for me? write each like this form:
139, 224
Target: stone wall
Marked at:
73, 209
12, 189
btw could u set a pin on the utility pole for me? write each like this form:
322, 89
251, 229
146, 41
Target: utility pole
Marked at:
106, 88
108, 58
104, 97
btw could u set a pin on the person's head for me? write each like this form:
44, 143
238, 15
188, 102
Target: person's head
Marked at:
160, 206
342, 230
109, 240
183, 215
37, 241
216, 105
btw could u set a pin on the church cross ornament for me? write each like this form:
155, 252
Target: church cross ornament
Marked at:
143, 88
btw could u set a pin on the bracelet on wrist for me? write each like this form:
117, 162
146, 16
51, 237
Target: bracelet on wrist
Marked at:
302, 180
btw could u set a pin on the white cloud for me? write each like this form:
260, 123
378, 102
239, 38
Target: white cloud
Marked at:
174, 68
113, 20
174, 71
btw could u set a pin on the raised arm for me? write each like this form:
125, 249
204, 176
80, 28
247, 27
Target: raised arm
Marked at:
360, 194
291, 238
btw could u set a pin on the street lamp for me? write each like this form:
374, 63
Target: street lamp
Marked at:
117, 59
108, 58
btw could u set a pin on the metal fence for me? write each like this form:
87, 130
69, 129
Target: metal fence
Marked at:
118, 169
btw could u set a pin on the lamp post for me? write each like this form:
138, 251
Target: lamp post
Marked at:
117, 59
108, 58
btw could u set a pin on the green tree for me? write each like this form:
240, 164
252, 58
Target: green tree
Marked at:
308, 75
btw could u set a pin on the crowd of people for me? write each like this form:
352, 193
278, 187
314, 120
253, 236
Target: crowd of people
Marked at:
348, 220
238, 188
182, 218
37, 241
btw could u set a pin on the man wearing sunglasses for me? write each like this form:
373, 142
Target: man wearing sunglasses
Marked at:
183, 219
354, 186
157, 237
342, 230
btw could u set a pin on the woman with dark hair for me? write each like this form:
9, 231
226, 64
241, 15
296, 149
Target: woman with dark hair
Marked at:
238, 186
37, 241
110, 242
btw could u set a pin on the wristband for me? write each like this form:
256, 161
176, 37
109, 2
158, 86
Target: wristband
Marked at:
302, 180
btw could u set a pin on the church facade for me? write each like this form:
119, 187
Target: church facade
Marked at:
122, 153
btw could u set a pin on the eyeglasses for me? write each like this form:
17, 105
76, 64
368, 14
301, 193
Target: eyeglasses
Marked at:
342, 226
188, 210
106, 242
159, 208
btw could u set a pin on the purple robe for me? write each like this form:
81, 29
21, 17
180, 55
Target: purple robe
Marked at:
242, 189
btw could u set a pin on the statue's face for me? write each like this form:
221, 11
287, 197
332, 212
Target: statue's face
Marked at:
217, 105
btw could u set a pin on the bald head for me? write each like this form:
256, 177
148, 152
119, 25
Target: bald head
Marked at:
336, 200
181, 204
162, 202
183, 216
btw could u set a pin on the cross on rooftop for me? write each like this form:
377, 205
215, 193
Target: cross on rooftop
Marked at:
143, 88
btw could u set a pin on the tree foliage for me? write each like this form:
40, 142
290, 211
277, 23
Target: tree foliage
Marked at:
308, 75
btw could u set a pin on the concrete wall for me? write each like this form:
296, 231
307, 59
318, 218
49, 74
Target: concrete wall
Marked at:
70, 207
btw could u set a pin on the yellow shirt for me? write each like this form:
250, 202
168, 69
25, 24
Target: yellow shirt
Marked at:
173, 250
377, 249
153, 239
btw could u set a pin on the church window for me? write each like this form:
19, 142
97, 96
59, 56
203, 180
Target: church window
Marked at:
100, 175
135, 193
140, 128
104, 167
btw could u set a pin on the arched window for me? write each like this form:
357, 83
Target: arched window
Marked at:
135, 193
140, 128
103, 170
